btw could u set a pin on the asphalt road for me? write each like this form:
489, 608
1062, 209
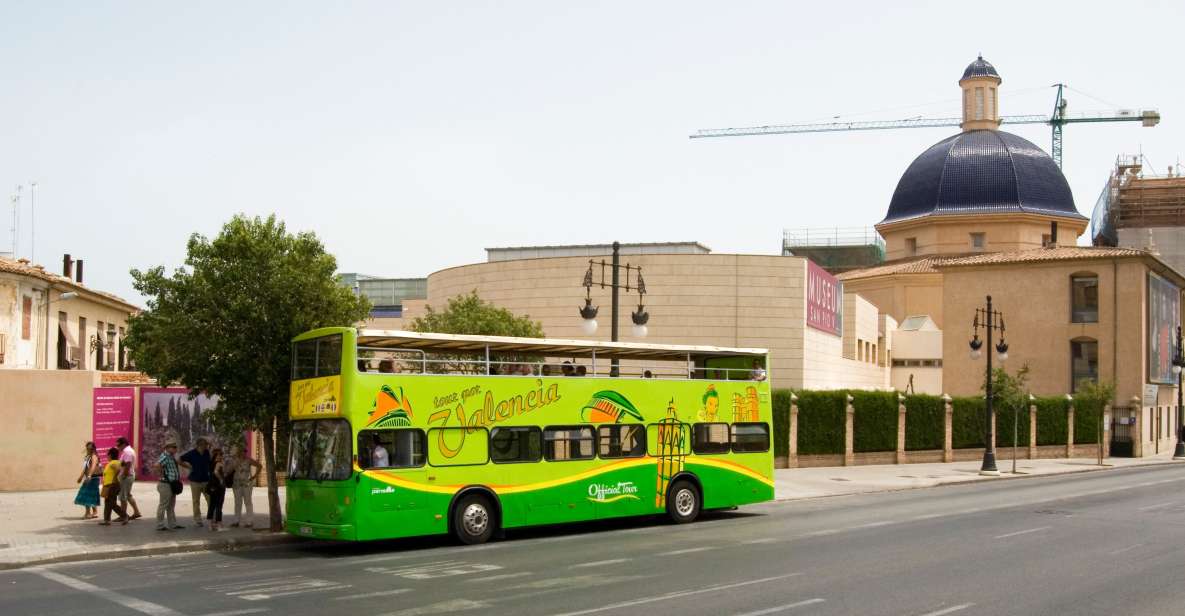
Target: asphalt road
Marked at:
1095, 543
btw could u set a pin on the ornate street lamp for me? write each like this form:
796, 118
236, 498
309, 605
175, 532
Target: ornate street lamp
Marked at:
588, 312
1178, 365
992, 320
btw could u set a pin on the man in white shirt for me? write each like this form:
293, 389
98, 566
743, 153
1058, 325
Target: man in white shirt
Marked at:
758, 371
378, 456
127, 476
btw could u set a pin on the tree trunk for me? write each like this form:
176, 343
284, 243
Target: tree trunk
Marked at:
275, 514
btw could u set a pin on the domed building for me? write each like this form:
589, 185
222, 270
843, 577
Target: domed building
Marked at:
985, 212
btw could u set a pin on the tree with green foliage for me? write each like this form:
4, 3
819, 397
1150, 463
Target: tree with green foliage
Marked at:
1010, 392
223, 324
1100, 393
469, 314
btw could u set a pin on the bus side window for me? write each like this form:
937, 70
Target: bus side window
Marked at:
710, 438
516, 444
750, 437
621, 441
392, 448
569, 443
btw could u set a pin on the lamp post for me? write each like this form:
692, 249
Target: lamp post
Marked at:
991, 320
1178, 365
588, 312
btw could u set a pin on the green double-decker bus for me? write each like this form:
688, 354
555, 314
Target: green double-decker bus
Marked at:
397, 434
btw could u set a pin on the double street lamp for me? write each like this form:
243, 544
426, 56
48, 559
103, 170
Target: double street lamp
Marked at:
588, 312
1178, 365
990, 320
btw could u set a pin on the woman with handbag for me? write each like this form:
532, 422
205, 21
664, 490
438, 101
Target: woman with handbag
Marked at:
88, 492
111, 489
216, 489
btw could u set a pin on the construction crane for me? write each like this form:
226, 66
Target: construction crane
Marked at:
1057, 120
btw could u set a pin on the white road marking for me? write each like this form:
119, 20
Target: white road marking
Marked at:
1151, 507
949, 610
370, 595
764, 540
1127, 549
256, 591
599, 563
444, 607
132, 603
875, 524
1022, 532
677, 594
241, 585
822, 533
495, 578
782, 608
686, 551
254, 610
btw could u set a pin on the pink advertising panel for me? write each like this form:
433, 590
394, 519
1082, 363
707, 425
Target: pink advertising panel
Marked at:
824, 300
170, 413
112, 409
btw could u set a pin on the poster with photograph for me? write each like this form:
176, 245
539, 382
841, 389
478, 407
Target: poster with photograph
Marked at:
1164, 310
171, 413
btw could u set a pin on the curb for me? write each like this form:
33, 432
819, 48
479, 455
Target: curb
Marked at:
954, 482
227, 545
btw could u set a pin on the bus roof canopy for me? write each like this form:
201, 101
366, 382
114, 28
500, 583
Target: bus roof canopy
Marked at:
453, 343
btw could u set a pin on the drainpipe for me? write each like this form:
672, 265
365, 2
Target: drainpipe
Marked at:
1114, 327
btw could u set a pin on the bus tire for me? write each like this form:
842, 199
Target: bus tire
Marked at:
474, 519
683, 502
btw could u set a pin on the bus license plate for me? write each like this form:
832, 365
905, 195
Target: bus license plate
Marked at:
306, 530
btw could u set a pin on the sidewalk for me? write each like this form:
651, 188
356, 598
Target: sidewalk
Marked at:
46, 527
799, 483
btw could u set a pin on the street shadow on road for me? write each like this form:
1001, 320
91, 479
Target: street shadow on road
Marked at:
334, 550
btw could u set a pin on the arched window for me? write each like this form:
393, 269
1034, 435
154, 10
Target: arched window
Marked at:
1084, 298
1084, 362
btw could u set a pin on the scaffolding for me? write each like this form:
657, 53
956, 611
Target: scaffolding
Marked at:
835, 249
1135, 197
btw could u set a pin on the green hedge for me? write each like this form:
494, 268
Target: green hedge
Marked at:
924, 419
1086, 421
1004, 423
874, 425
1051, 421
781, 408
967, 422
821, 422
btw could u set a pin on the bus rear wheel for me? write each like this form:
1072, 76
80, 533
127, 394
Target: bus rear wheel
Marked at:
683, 502
474, 520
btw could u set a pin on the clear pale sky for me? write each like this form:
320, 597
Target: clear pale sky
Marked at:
411, 136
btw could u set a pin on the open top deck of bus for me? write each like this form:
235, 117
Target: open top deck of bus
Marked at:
456, 343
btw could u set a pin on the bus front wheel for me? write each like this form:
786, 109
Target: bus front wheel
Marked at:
683, 502
474, 520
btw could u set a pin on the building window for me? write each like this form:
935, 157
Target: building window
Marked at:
978, 241
1084, 299
1084, 362
911, 246
978, 103
83, 344
1046, 240
991, 103
26, 317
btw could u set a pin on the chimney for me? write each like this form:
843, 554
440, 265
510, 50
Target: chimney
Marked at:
1053, 234
67, 266
79, 271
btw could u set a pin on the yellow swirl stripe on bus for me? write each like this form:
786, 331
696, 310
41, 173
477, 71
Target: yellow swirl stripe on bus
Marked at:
732, 466
393, 479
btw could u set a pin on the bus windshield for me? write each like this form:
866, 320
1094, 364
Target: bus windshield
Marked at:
320, 449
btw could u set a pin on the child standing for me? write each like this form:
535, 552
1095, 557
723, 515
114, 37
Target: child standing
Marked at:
111, 489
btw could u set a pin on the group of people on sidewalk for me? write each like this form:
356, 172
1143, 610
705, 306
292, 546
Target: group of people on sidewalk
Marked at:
210, 474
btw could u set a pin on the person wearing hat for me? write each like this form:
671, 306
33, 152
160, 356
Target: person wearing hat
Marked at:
166, 469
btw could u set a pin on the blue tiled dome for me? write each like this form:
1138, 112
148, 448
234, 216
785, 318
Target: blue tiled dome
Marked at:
982, 172
980, 68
